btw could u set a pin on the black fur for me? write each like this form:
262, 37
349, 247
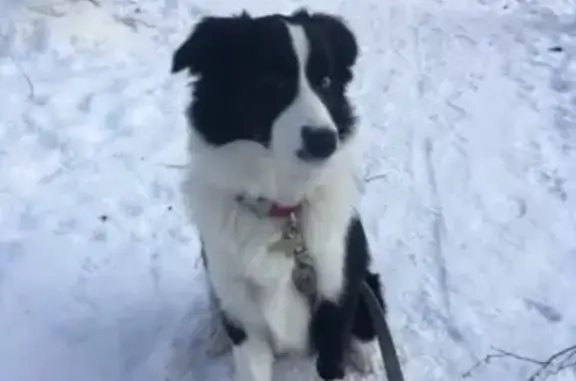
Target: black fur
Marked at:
330, 320
234, 331
247, 72
327, 335
334, 51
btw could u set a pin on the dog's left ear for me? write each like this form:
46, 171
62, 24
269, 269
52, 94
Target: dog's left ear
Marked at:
337, 36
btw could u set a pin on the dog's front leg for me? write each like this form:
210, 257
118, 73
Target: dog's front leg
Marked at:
253, 357
325, 225
253, 360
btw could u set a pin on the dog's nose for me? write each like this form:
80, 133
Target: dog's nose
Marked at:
318, 142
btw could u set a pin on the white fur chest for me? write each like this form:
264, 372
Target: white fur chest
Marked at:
254, 285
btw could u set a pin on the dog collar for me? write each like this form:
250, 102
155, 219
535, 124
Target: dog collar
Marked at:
277, 210
267, 208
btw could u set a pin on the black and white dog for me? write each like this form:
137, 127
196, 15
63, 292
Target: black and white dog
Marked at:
270, 120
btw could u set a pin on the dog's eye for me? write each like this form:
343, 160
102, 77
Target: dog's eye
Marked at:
325, 82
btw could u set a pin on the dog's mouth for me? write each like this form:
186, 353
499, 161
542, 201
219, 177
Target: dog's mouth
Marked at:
308, 158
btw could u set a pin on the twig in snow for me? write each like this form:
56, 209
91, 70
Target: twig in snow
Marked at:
498, 355
32, 94
174, 166
556, 363
133, 23
369, 179
47, 10
518, 357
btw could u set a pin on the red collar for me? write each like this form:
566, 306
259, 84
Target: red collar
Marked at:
266, 208
277, 210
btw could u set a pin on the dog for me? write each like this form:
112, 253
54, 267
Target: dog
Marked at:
271, 136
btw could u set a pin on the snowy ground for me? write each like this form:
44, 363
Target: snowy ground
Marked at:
468, 110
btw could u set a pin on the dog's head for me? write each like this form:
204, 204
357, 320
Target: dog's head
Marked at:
276, 80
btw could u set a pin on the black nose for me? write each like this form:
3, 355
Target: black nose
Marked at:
318, 142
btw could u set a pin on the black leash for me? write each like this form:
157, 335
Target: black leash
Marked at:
385, 340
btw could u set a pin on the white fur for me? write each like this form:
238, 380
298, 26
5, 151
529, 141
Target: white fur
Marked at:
364, 356
306, 110
254, 285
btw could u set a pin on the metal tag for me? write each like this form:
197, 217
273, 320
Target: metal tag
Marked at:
285, 245
304, 278
292, 244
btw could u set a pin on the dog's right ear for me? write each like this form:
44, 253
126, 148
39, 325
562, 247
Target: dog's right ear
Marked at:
209, 44
196, 52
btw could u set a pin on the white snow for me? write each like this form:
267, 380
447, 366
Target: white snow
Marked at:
469, 126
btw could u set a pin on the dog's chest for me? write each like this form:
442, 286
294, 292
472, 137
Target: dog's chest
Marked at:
279, 299
291, 242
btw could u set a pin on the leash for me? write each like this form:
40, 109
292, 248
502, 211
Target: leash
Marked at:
385, 340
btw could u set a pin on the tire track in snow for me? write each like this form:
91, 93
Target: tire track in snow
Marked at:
439, 237
438, 226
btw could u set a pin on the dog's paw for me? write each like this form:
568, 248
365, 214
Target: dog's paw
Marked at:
363, 356
316, 377
329, 370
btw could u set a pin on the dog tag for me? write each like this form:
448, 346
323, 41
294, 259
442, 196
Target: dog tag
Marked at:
304, 278
285, 245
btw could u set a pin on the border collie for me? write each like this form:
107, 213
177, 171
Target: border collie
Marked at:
270, 120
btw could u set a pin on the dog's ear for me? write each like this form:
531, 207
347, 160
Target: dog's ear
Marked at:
338, 38
192, 53
208, 41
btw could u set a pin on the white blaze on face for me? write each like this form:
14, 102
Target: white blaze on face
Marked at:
307, 109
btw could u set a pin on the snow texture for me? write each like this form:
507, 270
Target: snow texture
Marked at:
468, 118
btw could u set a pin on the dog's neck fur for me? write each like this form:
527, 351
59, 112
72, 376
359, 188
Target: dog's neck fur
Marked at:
248, 169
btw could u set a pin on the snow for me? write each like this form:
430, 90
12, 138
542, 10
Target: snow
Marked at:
468, 114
